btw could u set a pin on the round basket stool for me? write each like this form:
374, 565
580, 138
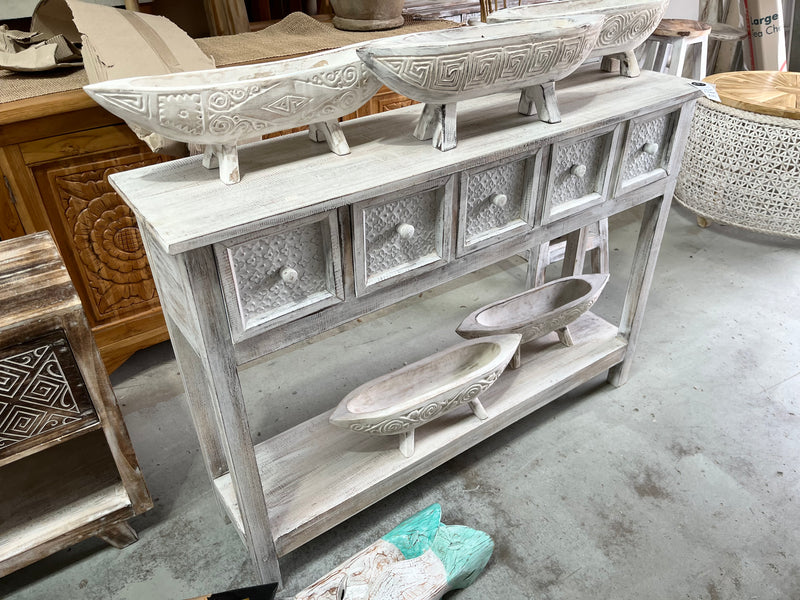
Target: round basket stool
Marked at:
742, 167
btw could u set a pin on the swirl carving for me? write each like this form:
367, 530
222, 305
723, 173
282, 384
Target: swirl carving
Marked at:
624, 30
420, 415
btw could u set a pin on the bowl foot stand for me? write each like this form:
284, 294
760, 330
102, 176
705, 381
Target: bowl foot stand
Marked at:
540, 100
438, 122
564, 336
628, 65
331, 132
224, 157
407, 437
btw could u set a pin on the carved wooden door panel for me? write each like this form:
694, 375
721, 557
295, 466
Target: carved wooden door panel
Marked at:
97, 234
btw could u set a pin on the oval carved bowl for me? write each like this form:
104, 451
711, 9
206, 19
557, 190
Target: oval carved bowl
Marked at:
538, 311
450, 65
401, 401
220, 107
626, 24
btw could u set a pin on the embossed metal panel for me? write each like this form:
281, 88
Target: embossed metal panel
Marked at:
395, 236
281, 273
495, 202
42, 394
647, 151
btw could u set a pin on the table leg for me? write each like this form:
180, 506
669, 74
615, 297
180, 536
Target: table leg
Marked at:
651, 233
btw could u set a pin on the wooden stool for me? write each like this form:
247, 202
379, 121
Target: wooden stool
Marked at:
572, 249
679, 35
67, 467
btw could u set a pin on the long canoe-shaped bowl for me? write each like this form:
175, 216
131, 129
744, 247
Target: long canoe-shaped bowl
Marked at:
537, 312
626, 24
398, 403
441, 68
220, 107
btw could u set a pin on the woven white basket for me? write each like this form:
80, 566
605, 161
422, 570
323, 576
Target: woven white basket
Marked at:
741, 168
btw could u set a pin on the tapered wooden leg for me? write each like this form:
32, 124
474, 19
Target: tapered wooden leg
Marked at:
516, 360
628, 65
540, 99
478, 409
226, 158
601, 262
438, 123
565, 337
538, 259
331, 132
118, 535
574, 253
407, 443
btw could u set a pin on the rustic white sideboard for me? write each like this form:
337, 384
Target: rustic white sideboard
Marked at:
308, 241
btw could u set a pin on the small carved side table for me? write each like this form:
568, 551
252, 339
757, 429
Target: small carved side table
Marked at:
67, 466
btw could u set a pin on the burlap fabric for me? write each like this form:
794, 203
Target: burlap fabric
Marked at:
296, 34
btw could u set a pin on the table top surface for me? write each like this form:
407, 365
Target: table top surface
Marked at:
763, 92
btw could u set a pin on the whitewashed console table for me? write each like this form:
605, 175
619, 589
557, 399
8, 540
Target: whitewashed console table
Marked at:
309, 240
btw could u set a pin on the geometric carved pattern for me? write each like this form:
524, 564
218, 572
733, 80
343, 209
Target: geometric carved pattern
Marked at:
257, 263
624, 31
105, 239
590, 153
637, 161
41, 393
487, 70
741, 168
386, 249
422, 414
482, 214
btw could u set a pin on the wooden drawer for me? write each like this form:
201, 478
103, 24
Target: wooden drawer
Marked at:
496, 202
580, 172
282, 273
647, 152
401, 235
42, 395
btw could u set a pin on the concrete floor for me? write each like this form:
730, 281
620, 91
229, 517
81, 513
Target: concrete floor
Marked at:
683, 483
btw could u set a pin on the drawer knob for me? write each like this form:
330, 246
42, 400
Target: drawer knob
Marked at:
499, 200
578, 171
289, 275
405, 231
650, 148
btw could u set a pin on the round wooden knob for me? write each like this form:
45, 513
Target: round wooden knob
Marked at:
499, 200
650, 148
289, 275
405, 230
578, 170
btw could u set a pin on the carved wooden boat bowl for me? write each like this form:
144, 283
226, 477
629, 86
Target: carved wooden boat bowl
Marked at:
441, 68
626, 24
401, 401
538, 311
220, 107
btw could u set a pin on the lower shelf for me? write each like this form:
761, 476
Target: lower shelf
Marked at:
58, 497
315, 475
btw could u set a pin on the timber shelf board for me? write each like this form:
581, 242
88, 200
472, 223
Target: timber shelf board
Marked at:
48, 495
316, 475
83, 429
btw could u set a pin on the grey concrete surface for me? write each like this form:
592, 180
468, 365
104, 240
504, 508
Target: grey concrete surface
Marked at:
682, 484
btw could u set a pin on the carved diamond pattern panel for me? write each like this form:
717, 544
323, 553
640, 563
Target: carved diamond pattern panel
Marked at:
485, 215
386, 249
41, 393
568, 185
257, 264
104, 238
653, 131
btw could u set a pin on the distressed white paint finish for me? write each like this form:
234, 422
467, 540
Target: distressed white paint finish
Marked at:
300, 483
626, 24
398, 403
442, 68
222, 107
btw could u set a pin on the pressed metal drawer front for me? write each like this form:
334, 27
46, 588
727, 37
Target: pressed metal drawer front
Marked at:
281, 273
399, 236
494, 202
647, 150
579, 174
42, 394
